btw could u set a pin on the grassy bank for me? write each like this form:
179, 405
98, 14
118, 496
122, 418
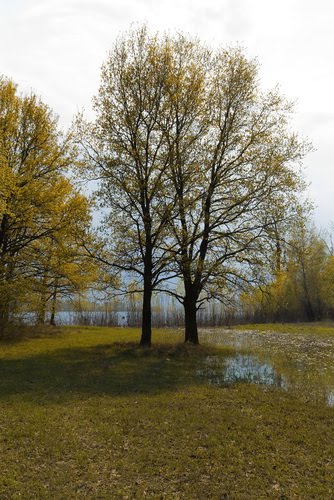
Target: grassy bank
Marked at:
87, 414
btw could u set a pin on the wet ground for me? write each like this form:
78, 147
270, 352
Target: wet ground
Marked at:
302, 363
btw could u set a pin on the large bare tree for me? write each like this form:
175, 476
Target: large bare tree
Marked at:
125, 149
232, 165
192, 157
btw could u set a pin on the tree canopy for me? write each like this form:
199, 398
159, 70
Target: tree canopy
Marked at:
195, 163
39, 207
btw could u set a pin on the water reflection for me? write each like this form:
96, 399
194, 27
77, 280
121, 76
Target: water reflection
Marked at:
300, 363
249, 368
240, 368
330, 399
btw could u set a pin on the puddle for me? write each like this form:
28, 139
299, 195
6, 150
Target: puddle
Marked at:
240, 368
246, 368
330, 399
302, 363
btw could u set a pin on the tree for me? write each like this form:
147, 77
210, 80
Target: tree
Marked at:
231, 163
327, 286
192, 158
301, 289
58, 265
126, 150
36, 197
307, 268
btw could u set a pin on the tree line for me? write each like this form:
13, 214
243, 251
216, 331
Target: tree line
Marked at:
198, 185
302, 287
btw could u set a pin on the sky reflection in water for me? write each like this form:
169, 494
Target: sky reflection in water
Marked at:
305, 364
240, 368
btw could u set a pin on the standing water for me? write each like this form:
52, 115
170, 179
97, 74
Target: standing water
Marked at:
291, 361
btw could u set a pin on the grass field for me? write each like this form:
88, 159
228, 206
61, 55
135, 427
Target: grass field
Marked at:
85, 413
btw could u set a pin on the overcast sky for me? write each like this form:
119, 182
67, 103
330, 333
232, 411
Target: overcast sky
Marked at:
56, 48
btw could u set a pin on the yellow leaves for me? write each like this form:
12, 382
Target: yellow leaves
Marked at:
46, 218
7, 183
32, 153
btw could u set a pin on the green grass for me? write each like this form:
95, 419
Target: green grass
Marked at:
88, 414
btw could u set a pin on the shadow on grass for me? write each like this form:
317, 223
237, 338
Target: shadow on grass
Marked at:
113, 369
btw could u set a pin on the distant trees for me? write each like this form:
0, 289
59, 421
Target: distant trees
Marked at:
193, 160
302, 290
60, 268
39, 208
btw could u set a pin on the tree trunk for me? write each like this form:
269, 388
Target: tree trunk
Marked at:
310, 316
3, 234
190, 318
53, 317
308, 308
4, 317
54, 305
146, 332
53, 312
146, 329
6, 300
41, 311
